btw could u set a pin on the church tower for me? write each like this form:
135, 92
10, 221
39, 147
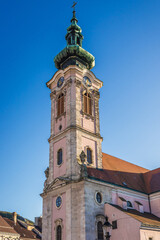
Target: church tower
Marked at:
75, 140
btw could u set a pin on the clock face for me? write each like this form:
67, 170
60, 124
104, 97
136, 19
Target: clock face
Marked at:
58, 201
87, 81
60, 82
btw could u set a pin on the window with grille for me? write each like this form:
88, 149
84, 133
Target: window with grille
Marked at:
100, 231
59, 157
87, 103
89, 155
60, 105
59, 233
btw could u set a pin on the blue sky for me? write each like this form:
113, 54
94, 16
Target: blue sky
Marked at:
124, 37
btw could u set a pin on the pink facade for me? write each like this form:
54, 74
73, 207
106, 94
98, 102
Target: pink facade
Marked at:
59, 215
116, 199
59, 170
127, 227
88, 124
86, 142
155, 205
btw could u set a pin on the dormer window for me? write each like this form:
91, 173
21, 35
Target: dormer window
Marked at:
129, 204
139, 206
60, 105
87, 103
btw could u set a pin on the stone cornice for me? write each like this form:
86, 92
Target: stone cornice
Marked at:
74, 127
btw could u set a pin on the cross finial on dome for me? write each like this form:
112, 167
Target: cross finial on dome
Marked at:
73, 6
74, 19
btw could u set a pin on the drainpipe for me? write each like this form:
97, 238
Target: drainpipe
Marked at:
149, 204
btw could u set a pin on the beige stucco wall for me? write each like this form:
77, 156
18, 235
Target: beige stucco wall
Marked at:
145, 234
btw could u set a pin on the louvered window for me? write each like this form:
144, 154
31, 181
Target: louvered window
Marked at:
89, 155
87, 103
60, 105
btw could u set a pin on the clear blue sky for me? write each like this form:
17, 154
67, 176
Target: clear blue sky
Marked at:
124, 36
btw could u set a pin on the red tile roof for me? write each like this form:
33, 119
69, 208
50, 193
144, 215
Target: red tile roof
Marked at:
128, 180
24, 233
116, 164
152, 180
119, 172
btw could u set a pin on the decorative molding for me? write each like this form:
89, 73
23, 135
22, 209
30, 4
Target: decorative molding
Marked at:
75, 127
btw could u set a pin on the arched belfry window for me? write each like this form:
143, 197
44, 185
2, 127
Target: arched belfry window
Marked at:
69, 41
89, 155
59, 232
87, 103
59, 156
99, 231
78, 41
60, 105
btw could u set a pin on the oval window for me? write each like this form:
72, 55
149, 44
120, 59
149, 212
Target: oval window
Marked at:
99, 197
58, 201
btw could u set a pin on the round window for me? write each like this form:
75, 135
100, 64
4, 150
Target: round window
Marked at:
98, 197
58, 201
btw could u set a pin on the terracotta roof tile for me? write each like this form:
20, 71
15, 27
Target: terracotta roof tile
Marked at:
125, 174
5, 227
152, 180
24, 233
116, 164
128, 180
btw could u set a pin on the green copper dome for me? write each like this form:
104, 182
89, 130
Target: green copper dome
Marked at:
73, 52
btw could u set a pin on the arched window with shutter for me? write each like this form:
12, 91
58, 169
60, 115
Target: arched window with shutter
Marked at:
87, 102
89, 155
59, 232
99, 231
60, 105
59, 156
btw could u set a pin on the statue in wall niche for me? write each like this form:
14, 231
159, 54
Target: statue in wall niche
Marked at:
83, 170
47, 172
47, 176
82, 157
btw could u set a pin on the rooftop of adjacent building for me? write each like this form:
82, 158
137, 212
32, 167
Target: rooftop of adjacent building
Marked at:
16, 224
122, 173
147, 219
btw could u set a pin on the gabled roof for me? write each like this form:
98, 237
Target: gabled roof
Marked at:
5, 227
152, 180
21, 230
145, 218
116, 164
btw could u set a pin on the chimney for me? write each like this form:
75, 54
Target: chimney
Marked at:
15, 218
38, 222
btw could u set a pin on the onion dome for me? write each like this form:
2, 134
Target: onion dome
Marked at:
73, 53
